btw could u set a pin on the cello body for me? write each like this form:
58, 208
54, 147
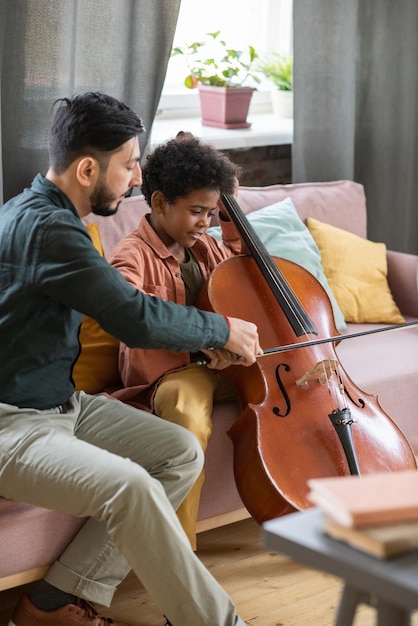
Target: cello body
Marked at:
284, 435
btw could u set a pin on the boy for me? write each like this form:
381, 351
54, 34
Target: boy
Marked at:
170, 256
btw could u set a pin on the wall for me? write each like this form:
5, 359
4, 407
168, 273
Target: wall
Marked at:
263, 165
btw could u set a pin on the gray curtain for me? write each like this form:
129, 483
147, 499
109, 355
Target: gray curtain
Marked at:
55, 48
356, 105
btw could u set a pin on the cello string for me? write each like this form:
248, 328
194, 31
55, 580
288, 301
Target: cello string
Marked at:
288, 296
273, 276
278, 285
269, 269
331, 392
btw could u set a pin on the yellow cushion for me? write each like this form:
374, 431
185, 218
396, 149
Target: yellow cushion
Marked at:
356, 270
94, 233
97, 366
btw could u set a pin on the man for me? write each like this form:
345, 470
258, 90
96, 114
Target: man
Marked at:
95, 457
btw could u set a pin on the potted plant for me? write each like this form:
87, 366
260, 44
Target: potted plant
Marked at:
278, 69
219, 75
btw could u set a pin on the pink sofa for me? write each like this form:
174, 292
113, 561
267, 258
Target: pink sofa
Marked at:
385, 364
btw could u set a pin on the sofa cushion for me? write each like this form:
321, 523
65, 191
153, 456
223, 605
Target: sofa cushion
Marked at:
96, 368
115, 227
356, 270
341, 203
285, 235
31, 536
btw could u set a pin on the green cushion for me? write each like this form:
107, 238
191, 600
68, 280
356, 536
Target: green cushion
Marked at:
285, 235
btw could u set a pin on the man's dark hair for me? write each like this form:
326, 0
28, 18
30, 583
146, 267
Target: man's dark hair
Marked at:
93, 124
183, 165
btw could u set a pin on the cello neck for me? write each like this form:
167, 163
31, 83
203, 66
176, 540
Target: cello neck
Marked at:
295, 313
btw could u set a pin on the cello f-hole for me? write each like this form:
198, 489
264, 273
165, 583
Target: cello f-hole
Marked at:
282, 388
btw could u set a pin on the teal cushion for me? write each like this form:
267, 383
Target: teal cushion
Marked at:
285, 235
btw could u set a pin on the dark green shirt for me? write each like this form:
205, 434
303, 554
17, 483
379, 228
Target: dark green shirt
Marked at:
50, 276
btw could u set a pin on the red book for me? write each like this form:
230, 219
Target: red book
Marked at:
357, 501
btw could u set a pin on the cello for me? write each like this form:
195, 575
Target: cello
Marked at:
301, 415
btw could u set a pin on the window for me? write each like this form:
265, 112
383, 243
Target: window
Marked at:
264, 24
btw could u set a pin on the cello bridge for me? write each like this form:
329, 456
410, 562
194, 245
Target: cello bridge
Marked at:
321, 372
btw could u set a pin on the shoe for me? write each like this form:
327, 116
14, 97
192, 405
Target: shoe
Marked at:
83, 613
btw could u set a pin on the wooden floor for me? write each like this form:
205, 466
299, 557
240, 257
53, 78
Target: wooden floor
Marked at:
268, 589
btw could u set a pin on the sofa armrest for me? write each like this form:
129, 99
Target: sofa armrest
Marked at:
402, 279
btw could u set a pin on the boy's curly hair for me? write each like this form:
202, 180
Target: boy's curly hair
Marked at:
183, 165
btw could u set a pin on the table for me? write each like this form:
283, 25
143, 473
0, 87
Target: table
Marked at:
390, 585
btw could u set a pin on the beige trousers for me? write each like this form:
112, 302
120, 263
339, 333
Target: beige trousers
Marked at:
186, 397
127, 471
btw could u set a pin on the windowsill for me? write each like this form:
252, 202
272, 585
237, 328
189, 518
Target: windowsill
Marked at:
265, 130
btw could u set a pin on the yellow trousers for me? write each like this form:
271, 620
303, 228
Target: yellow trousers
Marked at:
186, 397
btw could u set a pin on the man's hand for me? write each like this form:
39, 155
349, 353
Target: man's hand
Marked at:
241, 348
243, 342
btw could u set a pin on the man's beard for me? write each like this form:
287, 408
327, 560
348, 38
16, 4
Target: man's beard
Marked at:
101, 200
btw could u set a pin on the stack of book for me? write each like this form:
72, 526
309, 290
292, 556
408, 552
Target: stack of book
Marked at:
375, 513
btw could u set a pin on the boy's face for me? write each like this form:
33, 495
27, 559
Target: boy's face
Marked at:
184, 221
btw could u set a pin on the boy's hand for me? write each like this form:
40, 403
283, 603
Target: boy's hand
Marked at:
219, 359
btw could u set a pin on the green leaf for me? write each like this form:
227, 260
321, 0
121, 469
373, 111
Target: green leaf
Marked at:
228, 68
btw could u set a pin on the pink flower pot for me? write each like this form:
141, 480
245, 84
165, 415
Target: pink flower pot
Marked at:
225, 107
